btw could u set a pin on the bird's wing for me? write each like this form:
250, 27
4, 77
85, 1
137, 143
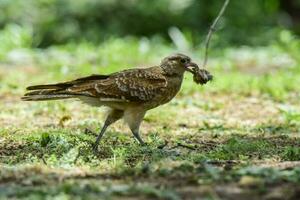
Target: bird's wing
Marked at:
127, 85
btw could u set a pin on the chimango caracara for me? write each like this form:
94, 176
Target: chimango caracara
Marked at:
129, 93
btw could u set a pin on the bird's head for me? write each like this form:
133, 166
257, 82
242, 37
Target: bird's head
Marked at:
177, 64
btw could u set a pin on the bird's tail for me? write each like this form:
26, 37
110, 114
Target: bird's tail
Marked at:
46, 92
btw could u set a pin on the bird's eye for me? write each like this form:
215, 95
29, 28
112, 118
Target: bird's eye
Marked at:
183, 61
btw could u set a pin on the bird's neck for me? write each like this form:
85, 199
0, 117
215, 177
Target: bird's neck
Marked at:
172, 70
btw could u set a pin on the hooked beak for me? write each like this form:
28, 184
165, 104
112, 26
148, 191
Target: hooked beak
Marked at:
192, 67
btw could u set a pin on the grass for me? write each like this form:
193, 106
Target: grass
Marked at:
234, 138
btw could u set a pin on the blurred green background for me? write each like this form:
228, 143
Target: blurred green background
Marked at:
41, 23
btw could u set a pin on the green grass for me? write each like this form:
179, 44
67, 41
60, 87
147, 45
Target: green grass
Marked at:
239, 131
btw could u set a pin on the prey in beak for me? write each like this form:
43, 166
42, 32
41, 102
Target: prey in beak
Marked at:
201, 76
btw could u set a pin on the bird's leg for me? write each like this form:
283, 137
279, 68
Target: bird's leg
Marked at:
112, 117
95, 146
138, 137
134, 118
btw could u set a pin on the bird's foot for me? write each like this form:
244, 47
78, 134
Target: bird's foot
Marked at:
142, 143
139, 139
145, 144
95, 148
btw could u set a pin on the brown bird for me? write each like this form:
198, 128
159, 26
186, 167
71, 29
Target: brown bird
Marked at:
129, 93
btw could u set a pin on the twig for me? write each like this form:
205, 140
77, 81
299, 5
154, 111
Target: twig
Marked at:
222, 162
185, 146
213, 29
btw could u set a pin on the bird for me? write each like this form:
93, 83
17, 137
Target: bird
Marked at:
129, 93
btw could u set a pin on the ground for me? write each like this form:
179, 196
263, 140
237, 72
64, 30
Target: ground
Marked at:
234, 138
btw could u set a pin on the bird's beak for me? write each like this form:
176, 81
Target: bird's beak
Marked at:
192, 67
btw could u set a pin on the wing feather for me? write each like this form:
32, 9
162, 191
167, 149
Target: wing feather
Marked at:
128, 85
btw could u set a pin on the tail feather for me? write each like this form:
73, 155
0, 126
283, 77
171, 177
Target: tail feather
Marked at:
43, 95
65, 85
47, 87
59, 90
48, 92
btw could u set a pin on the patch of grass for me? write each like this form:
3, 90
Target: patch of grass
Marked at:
272, 175
241, 149
291, 153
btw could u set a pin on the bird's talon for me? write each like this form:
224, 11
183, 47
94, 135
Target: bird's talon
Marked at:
144, 144
95, 149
